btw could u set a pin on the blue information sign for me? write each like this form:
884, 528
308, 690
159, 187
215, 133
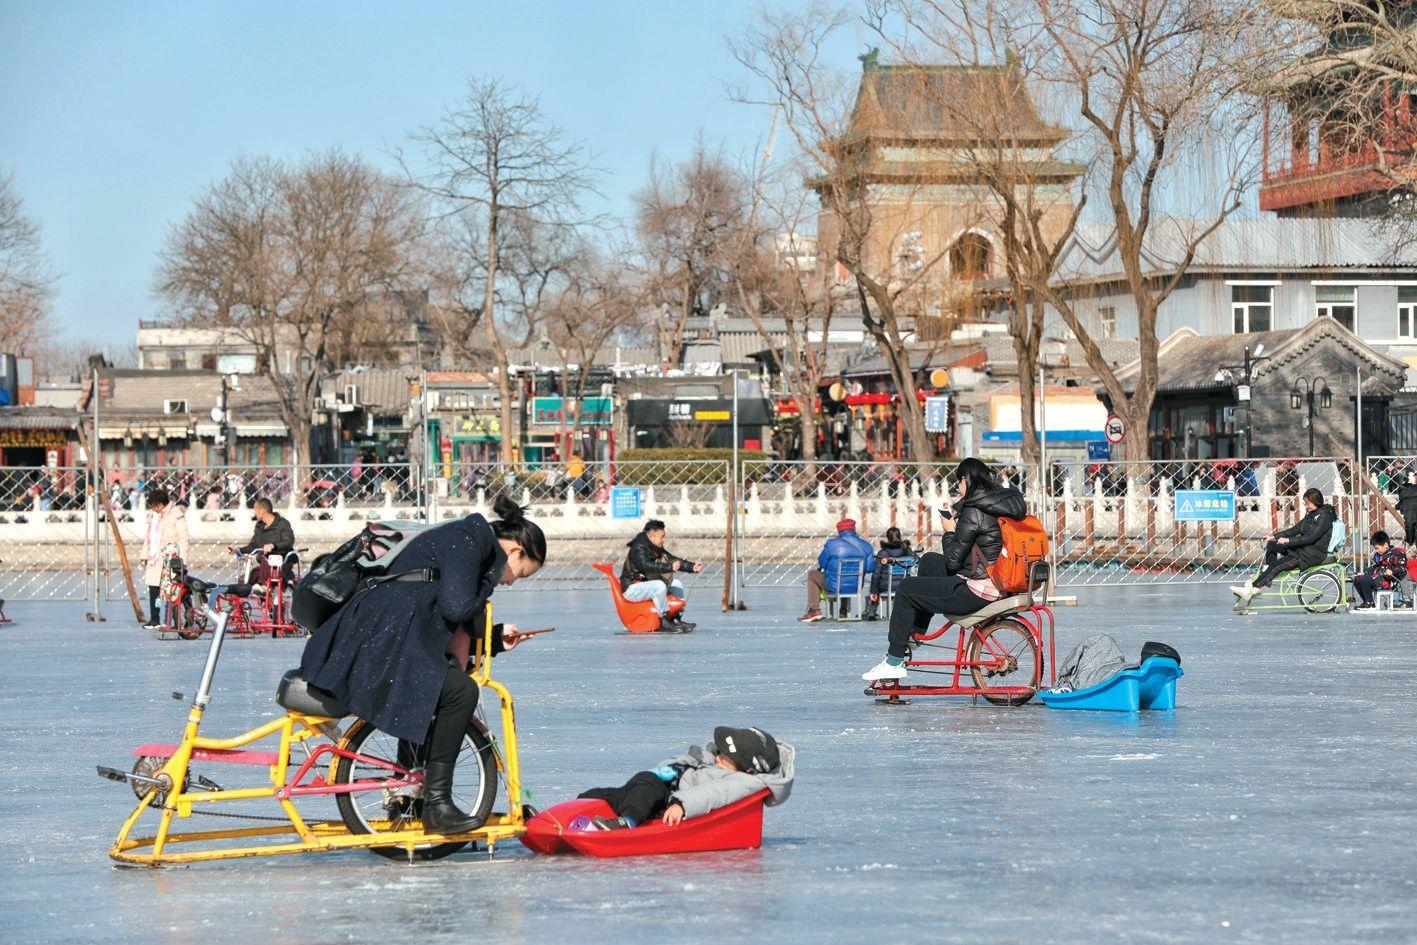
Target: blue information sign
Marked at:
1205, 505
1098, 450
625, 502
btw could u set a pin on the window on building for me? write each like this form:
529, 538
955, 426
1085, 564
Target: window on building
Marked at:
177, 362
970, 257
1252, 307
1339, 302
209, 362
1407, 312
1107, 321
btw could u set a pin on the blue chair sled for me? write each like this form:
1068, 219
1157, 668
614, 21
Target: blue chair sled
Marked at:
1149, 686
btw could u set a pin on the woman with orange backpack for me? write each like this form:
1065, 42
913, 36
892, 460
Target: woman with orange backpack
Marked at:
957, 581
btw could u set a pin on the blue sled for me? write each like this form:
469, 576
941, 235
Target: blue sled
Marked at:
1150, 686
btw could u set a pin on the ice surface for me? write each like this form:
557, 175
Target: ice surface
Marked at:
1276, 804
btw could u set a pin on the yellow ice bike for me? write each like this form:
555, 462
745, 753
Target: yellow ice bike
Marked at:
375, 780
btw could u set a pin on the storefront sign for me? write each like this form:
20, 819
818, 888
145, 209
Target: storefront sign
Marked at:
937, 414
713, 415
1205, 505
46, 438
595, 411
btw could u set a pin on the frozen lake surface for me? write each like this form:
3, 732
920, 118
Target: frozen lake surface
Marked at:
1276, 804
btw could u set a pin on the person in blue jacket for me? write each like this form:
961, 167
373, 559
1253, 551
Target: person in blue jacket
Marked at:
847, 545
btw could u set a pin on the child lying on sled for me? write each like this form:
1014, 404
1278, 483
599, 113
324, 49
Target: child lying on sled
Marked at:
738, 762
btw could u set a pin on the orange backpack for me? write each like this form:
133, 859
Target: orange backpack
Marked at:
1025, 542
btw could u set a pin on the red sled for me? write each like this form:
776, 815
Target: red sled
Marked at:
638, 616
739, 826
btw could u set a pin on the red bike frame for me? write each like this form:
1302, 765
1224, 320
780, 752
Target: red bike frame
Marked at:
267, 614
1036, 617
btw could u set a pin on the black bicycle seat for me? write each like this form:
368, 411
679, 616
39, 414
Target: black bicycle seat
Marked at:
196, 585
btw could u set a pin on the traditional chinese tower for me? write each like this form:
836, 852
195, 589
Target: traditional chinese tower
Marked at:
915, 159
1344, 141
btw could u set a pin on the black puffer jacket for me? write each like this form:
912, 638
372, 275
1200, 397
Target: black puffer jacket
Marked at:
1309, 540
976, 541
645, 562
1407, 501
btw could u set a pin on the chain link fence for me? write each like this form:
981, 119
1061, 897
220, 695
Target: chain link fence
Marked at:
1142, 523
1110, 522
46, 533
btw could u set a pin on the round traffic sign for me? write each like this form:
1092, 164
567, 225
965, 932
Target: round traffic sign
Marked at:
1115, 429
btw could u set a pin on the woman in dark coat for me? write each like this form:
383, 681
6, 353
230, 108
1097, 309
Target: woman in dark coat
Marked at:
956, 581
1304, 545
386, 653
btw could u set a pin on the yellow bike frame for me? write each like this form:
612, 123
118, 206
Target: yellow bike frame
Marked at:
178, 800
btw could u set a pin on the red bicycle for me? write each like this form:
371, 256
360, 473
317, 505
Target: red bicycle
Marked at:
999, 646
263, 606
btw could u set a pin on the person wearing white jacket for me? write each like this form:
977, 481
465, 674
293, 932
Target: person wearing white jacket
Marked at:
166, 527
736, 763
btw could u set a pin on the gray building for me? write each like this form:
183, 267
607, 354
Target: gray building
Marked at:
1253, 276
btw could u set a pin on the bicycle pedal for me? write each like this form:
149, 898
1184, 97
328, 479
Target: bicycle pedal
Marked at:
112, 774
207, 783
178, 696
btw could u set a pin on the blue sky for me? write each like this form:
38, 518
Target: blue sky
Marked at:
114, 115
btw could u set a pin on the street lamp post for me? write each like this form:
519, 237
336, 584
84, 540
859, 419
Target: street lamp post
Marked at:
1306, 391
1243, 390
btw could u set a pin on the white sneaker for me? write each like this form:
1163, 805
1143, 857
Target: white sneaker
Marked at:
884, 670
1244, 591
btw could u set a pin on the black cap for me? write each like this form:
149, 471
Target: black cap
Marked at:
751, 749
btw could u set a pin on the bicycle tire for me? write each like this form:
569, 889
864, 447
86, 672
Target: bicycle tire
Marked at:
475, 759
1023, 654
1313, 596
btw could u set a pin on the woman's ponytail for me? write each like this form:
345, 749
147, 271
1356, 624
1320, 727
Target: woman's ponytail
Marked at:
513, 525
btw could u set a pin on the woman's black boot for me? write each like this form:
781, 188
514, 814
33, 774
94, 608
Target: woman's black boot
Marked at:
440, 814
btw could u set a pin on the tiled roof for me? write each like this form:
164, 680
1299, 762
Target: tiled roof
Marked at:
38, 418
922, 102
1268, 245
387, 390
1187, 361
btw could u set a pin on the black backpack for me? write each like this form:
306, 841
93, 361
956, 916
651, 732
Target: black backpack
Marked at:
360, 563
1150, 649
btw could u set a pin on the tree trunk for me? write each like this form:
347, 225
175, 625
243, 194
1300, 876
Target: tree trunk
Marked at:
1136, 447
1026, 350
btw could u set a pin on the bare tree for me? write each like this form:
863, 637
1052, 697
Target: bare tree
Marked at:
898, 280
1159, 97
496, 163
1026, 204
67, 359
283, 257
684, 216
26, 279
776, 282
598, 299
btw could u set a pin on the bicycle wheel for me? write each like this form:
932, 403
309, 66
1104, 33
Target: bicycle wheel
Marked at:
1003, 654
191, 619
474, 788
1319, 592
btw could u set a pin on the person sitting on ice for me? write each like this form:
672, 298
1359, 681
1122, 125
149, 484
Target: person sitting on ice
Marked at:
1304, 545
895, 550
845, 546
1388, 570
650, 572
736, 763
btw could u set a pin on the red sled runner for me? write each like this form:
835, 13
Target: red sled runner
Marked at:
739, 826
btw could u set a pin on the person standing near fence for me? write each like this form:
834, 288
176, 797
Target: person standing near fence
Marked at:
167, 525
1407, 508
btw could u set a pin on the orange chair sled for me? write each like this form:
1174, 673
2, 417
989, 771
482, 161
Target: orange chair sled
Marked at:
637, 616
739, 826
